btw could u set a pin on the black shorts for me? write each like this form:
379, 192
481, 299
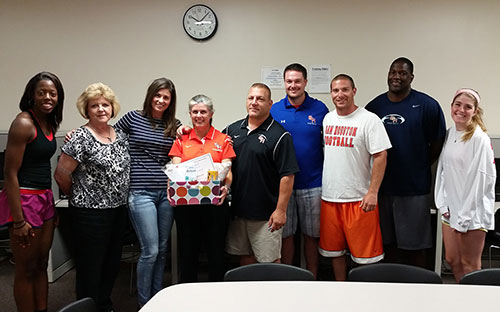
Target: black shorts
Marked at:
406, 221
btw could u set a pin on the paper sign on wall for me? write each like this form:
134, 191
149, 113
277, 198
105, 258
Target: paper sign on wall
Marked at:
272, 77
319, 78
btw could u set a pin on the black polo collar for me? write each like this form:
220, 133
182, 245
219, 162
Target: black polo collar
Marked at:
263, 126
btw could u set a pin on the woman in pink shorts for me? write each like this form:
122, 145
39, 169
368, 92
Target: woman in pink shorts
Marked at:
26, 202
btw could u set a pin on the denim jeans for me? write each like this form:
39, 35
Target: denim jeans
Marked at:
152, 218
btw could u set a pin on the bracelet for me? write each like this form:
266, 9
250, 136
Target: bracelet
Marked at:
20, 226
17, 222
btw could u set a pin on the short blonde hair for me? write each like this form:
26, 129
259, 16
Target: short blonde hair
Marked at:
93, 91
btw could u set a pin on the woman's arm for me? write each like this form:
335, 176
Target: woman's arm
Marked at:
182, 130
65, 168
478, 202
226, 184
175, 160
229, 177
22, 131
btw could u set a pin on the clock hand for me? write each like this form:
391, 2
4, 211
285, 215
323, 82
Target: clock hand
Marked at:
203, 22
203, 17
193, 18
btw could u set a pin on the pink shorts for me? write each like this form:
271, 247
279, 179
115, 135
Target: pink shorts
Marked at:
37, 205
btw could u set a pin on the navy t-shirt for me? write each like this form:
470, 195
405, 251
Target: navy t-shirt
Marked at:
412, 125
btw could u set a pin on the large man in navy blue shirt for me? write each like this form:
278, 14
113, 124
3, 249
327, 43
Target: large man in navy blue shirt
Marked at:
415, 124
302, 116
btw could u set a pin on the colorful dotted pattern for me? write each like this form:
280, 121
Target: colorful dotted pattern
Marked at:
194, 192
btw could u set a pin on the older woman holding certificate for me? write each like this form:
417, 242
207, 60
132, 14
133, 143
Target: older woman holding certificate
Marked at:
195, 222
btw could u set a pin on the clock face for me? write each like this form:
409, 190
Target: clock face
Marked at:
200, 22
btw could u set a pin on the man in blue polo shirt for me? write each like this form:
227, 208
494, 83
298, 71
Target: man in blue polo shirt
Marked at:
415, 124
302, 116
263, 174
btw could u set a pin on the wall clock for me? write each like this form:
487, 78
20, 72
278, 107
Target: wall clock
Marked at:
200, 22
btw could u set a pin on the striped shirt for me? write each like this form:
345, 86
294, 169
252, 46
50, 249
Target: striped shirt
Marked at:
149, 150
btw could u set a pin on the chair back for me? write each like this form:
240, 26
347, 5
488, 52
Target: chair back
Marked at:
482, 277
393, 273
268, 272
82, 305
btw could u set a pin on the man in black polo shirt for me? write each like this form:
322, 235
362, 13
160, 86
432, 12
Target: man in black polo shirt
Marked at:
263, 175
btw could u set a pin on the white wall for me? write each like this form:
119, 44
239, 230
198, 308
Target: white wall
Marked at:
127, 44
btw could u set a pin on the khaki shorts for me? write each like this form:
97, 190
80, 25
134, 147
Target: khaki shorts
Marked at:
250, 237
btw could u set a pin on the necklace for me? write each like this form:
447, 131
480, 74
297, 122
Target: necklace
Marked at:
108, 137
458, 135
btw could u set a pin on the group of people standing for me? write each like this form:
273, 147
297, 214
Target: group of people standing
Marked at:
104, 169
354, 178
374, 199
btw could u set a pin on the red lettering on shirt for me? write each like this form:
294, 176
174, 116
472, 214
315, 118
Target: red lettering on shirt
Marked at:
341, 136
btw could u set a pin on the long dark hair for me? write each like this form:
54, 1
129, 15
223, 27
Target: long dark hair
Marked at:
27, 100
169, 114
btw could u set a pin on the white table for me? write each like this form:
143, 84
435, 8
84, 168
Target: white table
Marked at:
323, 296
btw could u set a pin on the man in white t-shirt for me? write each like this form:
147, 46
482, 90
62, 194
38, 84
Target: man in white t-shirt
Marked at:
355, 160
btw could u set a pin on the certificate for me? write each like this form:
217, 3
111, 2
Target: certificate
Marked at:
195, 169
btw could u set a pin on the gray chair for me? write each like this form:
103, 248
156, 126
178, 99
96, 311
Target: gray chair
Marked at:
493, 237
268, 272
82, 305
131, 252
482, 277
393, 273
494, 245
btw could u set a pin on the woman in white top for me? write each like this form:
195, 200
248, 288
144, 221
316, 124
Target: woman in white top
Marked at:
465, 185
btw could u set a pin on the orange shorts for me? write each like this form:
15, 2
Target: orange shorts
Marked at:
346, 224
